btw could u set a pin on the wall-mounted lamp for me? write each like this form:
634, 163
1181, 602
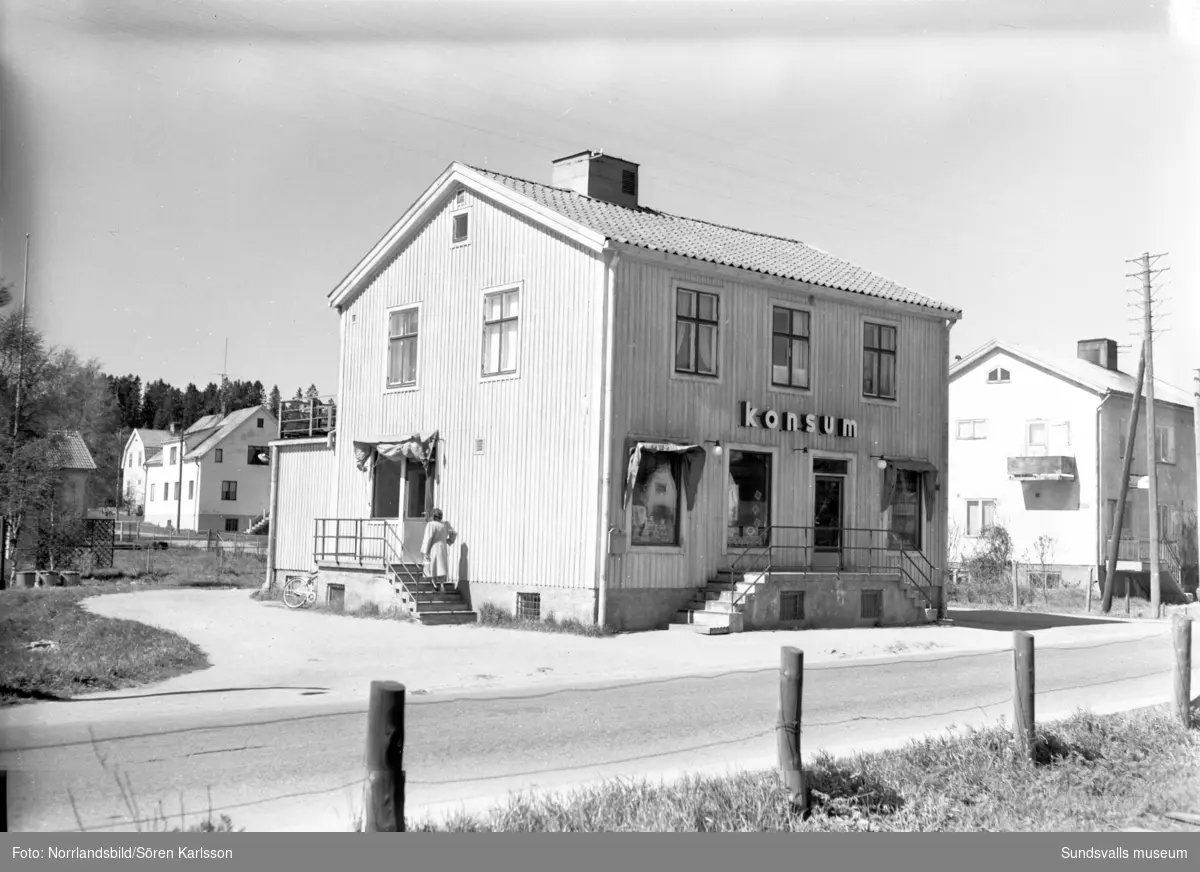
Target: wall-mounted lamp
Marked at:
880, 461
716, 444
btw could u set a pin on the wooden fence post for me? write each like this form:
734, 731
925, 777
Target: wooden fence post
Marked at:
1023, 716
1182, 633
4, 799
791, 696
383, 798
1089, 594
1016, 590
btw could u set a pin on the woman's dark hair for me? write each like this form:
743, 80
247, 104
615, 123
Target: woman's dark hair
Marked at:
437, 514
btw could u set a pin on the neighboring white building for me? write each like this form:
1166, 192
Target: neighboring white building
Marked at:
140, 447
1037, 446
223, 481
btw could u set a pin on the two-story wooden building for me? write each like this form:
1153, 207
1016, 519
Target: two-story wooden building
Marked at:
1038, 443
630, 417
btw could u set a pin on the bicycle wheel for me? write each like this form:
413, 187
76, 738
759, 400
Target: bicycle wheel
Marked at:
294, 593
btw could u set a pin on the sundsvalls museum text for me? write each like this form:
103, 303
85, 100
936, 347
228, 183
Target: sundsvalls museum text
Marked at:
770, 419
122, 852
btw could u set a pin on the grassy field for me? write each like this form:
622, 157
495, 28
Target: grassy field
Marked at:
1092, 773
88, 652
491, 615
1063, 600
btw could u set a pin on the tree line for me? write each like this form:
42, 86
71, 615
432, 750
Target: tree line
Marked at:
59, 391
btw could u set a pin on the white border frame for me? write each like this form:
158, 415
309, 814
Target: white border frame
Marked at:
418, 305
775, 451
798, 306
871, 317
967, 534
519, 287
724, 327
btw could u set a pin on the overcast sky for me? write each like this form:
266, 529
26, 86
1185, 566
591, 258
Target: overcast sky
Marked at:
196, 171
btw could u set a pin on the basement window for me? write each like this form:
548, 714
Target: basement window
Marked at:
872, 603
791, 605
529, 606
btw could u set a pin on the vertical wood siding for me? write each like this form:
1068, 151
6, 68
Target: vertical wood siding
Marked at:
526, 508
305, 477
651, 404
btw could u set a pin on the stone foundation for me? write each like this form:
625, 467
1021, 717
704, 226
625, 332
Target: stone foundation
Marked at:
833, 602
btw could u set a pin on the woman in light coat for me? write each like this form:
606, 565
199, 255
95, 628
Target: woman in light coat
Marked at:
435, 549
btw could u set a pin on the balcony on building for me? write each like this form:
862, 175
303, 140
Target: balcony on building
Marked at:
1048, 467
307, 418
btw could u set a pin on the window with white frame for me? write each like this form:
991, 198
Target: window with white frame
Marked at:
998, 376
219, 455
790, 347
403, 335
501, 314
972, 429
879, 361
1165, 443
173, 455
981, 514
1037, 438
460, 233
697, 321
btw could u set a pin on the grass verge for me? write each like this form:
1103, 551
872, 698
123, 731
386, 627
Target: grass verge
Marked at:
491, 615
89, 652
1091, 773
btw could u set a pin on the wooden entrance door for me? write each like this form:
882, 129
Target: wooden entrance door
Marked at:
417, 499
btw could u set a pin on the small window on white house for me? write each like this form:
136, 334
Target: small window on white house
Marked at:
981, 514
220, 456
1165, 443
229, 490
402, 347
972, 429
460, 198
461, 228
998, 376
501, 314
1036, 438
173, 450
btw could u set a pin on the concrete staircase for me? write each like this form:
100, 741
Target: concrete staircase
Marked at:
425, 602
717, 608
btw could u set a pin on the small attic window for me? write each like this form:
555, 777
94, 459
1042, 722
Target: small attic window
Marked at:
998, 376
629, 182
460, 198
461, 228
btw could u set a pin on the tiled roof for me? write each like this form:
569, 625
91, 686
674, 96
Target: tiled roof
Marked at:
208, 422
225, 426
153, 438
1089, 375
714, 243
72, 451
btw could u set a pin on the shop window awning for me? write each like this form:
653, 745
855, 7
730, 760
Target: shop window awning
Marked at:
692, 459
419, 447
910, 464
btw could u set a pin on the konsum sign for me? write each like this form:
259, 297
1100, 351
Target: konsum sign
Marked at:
791, 422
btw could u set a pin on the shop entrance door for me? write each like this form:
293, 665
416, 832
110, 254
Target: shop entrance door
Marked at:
829, 512
402, 495
417, 498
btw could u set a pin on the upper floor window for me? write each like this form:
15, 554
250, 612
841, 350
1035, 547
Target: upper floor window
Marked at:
462, 228
1037, 437
229, 490
260, 423
879, 361
173, 455
975, 429
1165, 444
790, 347
220, 455
998, 376
256, 455
402, 347
501, 314
696, 324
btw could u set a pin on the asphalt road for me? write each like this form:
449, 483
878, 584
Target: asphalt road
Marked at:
300, 768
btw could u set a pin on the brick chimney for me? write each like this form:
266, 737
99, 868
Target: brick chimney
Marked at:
598, 175
1101, 352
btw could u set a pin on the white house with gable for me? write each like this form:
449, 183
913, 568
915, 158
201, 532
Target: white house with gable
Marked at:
142, 445
213, 476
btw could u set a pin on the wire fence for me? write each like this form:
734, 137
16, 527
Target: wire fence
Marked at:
986, 708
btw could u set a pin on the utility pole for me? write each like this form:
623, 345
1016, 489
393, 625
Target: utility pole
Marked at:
1146, 274
1196, 441
1118, 521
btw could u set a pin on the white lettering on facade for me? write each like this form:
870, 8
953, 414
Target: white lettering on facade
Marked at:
791, 422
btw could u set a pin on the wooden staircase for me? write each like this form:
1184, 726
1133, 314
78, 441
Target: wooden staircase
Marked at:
424, 601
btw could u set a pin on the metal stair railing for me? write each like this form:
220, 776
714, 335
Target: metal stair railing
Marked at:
394, 554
